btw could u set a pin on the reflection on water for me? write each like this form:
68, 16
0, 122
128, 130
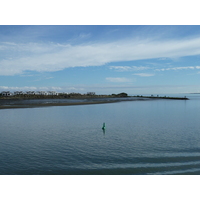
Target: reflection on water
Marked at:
141, 137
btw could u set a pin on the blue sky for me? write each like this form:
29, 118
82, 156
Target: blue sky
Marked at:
102, 59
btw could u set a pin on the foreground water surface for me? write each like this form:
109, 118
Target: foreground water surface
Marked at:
141, 137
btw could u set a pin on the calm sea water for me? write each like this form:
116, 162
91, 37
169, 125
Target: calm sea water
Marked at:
141, 137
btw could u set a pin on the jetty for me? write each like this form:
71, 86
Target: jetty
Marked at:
162, 97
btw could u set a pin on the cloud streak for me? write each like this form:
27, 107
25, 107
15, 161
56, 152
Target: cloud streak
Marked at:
144, 74
178, 68
118, 79
16, 58
121, 68
33, 88
128, 68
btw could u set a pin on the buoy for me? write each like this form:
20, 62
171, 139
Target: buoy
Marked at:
104, 126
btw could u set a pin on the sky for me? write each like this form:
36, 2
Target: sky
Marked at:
106, 59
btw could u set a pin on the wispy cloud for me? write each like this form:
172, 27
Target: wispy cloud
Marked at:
128, 68
118, 79
144, 74
16, 58
178, 68
33, 88
25, 88
84, 35
121, 68
134, 68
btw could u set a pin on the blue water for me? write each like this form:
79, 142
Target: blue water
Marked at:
141, 137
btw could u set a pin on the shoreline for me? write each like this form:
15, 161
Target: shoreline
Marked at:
13, 106
22, 103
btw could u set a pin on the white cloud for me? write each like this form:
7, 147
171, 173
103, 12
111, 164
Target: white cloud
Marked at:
139, 68
15, 58
118, 79
144, 74
33, 88
128, 68
25, 88
178, 68
83, 35
121, 68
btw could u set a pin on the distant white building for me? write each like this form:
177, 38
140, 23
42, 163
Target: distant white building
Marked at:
18, 93
52, 93
90, 93
42, 93
30, 92
6, 93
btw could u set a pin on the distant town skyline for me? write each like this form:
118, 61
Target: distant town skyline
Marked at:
102, 59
